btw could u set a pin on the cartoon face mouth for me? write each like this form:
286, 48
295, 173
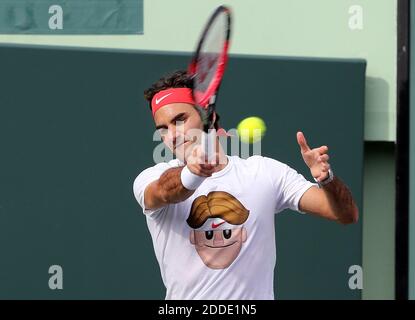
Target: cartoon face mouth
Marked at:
217, 247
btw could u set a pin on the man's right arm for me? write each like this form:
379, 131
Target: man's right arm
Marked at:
170, 187
167, 189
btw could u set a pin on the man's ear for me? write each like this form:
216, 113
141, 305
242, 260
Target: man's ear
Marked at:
213, 117
192, 237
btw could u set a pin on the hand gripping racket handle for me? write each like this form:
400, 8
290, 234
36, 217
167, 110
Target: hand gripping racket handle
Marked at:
209, 145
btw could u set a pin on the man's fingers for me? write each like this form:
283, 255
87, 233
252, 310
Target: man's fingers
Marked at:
197, 156
197, 169
206, 166
302, 142
213, 159
325, 167
322, 177
206, 171
201, 155
323, 158
323, 149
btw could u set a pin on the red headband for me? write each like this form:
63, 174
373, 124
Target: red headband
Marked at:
176, 95
172, 95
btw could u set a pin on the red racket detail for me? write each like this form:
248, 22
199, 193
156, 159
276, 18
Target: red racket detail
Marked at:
208, 64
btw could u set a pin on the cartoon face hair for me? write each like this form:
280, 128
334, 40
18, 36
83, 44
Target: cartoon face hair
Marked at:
217, 204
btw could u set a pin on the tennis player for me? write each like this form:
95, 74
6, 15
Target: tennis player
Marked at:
212, 223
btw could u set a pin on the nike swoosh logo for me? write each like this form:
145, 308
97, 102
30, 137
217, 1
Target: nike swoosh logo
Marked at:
214, 226
163, 97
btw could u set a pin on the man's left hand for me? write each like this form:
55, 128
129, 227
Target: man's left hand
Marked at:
316, 159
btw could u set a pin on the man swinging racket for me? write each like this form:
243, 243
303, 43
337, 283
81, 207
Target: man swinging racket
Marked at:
210, 215
212, 224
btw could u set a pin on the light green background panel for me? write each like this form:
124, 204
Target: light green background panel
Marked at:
55, 17
318, 28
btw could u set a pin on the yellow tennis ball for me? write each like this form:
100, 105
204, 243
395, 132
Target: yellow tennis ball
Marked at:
251, 129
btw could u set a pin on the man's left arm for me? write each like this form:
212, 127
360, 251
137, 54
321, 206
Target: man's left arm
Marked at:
333, 200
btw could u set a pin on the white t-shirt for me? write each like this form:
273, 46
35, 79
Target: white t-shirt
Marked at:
227, 249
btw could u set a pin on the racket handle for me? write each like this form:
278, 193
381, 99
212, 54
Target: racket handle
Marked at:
209, 144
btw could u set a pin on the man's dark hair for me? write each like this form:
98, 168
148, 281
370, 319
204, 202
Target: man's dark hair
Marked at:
177, 79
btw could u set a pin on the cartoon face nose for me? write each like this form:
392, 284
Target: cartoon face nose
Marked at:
217, 238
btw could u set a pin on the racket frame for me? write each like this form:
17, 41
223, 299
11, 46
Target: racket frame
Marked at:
208, 100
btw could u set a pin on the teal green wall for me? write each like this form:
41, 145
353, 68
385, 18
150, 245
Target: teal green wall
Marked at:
71, 149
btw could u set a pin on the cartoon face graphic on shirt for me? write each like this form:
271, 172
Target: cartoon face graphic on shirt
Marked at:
219, 232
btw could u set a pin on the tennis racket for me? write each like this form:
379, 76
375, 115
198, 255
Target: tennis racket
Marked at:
208, 65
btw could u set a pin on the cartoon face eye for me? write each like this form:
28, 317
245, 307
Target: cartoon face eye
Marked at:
209, 234
227, 233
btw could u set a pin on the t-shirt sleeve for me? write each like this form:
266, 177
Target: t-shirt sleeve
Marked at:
143, 180
288, 184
